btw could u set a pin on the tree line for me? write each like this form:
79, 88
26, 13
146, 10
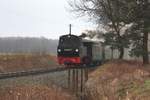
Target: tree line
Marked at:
28, 45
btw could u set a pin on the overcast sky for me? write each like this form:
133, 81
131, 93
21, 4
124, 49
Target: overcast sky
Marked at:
47, 18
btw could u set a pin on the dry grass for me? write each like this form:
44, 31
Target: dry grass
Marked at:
15, 62
120, 80
34, 93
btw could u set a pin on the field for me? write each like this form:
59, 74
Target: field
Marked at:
19, 62
115, 80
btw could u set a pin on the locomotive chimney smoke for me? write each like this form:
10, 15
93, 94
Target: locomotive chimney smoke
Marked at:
69, 29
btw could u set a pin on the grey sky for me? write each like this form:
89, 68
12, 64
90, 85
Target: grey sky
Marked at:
47, 18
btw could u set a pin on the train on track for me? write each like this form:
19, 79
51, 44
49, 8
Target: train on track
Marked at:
74, 50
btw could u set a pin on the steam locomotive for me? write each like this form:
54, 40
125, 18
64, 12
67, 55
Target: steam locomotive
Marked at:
74, 50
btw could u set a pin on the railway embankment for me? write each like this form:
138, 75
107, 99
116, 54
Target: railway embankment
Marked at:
119, 80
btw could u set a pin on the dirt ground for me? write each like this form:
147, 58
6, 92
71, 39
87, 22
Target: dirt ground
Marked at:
119, 80
17, 62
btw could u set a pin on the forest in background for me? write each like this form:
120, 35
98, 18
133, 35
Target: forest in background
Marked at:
28, 45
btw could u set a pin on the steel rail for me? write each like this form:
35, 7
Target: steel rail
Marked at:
36, 72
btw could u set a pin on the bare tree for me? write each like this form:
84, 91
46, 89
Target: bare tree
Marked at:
106, 12
116, 14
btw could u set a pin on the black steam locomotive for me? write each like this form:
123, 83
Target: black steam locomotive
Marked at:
74, 50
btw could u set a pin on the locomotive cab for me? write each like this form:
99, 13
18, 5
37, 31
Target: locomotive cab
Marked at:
93, 52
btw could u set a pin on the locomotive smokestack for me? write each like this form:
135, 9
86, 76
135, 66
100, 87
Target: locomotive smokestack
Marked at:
69, 29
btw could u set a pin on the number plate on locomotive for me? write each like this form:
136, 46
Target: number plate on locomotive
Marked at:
67, 49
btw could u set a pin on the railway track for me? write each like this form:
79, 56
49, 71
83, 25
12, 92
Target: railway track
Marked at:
36, 72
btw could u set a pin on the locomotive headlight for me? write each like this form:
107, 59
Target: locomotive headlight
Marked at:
59, 50
77, 50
